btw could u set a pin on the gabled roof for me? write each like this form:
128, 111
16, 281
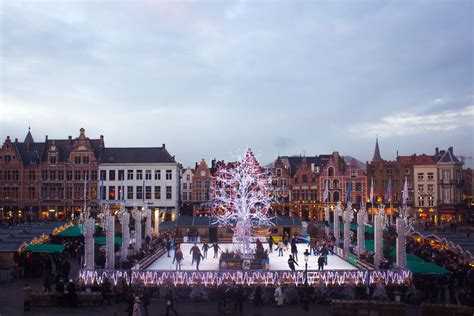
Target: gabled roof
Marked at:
31, 156
448, 156
136, 155
65, 146
424, 160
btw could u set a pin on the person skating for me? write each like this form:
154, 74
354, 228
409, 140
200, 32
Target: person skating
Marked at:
280, 248
216, 249
291, 263
270, 243
294, 249
178, 256
321, 262
194, 251
205, 248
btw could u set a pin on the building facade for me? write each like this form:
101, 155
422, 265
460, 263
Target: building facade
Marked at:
426, 188
140, 177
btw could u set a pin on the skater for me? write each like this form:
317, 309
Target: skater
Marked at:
294, 250
291, 263
321, 262
280, 247
178, 256
216, 249
270, 244
194, 250
197, 256
168, 247
205, 247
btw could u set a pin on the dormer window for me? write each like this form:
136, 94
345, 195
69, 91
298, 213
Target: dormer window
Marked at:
52, 160
331, 172
85, 159
278, 173
77, 159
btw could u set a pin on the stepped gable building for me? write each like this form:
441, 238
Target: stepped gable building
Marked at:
201, 185
280, 188
49, 179
141, 177
186, 189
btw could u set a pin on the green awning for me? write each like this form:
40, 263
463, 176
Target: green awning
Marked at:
102, 240
418, 267
73, 231
367, 229
369, 246
45, 248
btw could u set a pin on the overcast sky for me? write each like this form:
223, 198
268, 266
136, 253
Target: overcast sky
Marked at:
211, 78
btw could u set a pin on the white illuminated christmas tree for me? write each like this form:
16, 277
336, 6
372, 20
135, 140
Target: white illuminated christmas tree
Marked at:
241, 198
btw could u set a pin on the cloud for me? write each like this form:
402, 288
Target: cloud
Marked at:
415, 124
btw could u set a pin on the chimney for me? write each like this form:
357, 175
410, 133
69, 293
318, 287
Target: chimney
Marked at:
163, 145
437, 151
8, 137
101, 142
16, 140
69, 139
46, 138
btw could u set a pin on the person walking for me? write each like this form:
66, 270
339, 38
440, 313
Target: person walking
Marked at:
137, 307
170, 303
271, 242
205, 248
27, 290
216, 249
278, 296
280, 248
321, 262
257, 296
48, 280
291, 263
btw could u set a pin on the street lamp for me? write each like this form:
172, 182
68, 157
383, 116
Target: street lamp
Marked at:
306, 257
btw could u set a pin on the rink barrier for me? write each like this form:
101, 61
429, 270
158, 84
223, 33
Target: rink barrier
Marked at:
327, 278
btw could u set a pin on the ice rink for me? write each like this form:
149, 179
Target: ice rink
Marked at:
276, 263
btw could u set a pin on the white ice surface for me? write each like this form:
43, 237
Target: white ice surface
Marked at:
276, 263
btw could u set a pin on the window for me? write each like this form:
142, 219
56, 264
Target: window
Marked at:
31, 192
198, 196
314, 194
15, 175
85, 159
430, 176
32, 175
69, 175
103, 175
168, 192
304, 178
52, 175
335, 184
52, 160
68, 193
358, 186
129, 174
111, 192
372, 172
421, 201
430, 188
331, 172
111, 175
304, 194
185, 186
147, 174
129, 192
77, 159
278, 172
335, 196
139, 192
8, 158
86, 175
77, 175
158, 175
148, 192
157, 192
198, 184
139, 174
168, 175
353, 173
389, 171
188, 177
61, 175
430, 201
94, 175
296, 195
446, 174
420, 188
421, 176
407, 171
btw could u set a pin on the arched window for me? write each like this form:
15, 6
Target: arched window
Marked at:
328, 184
335, 184
304, 178
278, 173
335, 196
331, 172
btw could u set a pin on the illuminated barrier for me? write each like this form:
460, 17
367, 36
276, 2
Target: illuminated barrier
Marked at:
330, 278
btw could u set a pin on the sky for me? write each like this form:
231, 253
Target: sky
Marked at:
211, 78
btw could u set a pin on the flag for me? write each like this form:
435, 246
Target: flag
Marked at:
101, 192
326, 191
348, 192
372, 191
405, 191
85, 188
143, 192
388, 195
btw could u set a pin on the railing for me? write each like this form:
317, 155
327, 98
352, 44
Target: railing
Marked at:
329, 278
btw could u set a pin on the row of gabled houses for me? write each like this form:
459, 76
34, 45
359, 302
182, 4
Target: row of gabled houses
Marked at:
57, 178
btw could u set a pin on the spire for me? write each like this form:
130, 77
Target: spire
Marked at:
376, 156
29, 138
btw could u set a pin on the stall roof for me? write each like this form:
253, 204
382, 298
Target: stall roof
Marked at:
49, 248
102, 240
185, 221
170, 225
201, 221
418, 267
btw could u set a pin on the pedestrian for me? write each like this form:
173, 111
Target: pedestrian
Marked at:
66, 267
137, 307
146, 300
170, 303
205, 248
270, 243
239, 297
71, 296
285, 242
294, 250
278, 296
291, 263
105, 291
48, 280
216, 249
257, 296
27, 290
321, 262
280, 248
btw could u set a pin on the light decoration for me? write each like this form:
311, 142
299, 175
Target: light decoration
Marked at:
362, 219
148, 222
379, 222
329, 278
62, 228
241, 199
327, 216
89, 229
137, 215
110, 242
124, 218
337, 229
348, 215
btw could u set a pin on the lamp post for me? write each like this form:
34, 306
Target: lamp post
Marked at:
306, 257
